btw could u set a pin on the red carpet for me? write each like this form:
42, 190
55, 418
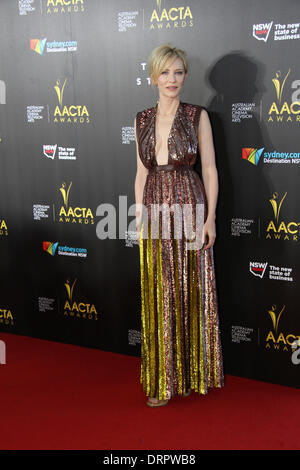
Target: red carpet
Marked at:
59, 396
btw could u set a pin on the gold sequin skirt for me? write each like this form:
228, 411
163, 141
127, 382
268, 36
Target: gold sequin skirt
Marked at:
180, 337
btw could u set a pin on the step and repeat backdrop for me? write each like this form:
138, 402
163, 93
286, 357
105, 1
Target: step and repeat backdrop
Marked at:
73, 75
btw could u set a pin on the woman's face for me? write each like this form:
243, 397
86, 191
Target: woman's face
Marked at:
171, 80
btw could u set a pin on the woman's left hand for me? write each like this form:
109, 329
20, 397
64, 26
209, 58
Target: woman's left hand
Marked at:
209, 233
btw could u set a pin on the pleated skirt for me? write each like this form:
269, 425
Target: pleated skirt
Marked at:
180, 335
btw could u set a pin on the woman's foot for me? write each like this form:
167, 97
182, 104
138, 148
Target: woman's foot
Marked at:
154, 402
187, 393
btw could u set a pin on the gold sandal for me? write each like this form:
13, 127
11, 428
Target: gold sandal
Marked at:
159, 403
186, 394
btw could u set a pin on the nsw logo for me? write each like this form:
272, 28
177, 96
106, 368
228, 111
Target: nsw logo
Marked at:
49, 151
258, 269
261, 31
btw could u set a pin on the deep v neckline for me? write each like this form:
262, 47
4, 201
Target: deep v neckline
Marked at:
169, 135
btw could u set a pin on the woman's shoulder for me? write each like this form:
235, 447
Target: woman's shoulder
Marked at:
144, 115
193, 112
192, 107
146, 111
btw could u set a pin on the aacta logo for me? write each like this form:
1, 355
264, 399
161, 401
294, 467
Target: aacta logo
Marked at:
74, 215
78, 309
3, 228
6, 317
174, 17
275, 340
282, 111
75, 114
277, 230
65, 6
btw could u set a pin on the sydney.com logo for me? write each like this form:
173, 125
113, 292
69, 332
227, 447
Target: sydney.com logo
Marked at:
253, 155
52, 248
40, 45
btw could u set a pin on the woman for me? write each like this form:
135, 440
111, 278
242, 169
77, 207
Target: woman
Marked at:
180, 338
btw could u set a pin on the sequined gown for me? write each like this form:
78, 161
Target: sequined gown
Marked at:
180, 337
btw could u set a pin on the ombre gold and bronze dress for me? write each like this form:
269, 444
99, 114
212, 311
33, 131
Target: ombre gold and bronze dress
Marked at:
180, 336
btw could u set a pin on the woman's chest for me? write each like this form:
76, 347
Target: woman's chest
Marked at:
166, 142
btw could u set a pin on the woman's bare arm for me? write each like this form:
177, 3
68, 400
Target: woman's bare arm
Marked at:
208, 163
140, 179
210, 177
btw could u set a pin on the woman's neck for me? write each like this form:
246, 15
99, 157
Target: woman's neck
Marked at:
167, 106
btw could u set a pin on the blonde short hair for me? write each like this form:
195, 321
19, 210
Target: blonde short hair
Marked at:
160, 56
